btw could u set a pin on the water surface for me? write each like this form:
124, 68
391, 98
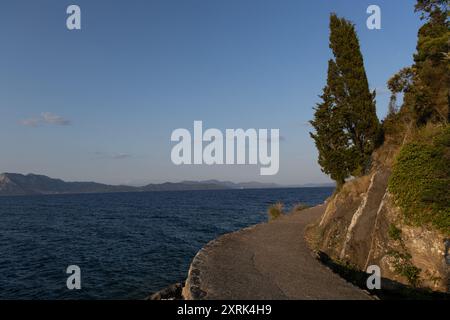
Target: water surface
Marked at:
126, 244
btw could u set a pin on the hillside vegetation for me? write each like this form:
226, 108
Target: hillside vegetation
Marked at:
420, 181
392, 205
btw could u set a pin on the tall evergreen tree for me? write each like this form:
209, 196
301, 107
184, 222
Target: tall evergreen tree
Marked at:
333, 144
353, 97
346, 125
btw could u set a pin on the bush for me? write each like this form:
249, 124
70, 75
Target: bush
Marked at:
275, 211
420, 181
394, 232
404, 267
393, 126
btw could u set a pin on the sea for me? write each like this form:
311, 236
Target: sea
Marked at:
126, 245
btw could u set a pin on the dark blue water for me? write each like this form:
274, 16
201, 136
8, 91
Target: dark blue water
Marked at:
126, 244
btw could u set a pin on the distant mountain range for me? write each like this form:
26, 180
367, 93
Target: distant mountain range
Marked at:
14, 184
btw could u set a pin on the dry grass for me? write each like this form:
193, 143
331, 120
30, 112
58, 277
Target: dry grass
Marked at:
275, 211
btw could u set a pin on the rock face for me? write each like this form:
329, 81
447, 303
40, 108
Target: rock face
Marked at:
173, 292
362, 226
9, 187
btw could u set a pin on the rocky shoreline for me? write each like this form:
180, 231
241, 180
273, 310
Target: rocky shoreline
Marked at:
172, 292
278, 260
267, 261
192, 288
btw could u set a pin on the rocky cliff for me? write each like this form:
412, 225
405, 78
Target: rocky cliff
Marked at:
363, 226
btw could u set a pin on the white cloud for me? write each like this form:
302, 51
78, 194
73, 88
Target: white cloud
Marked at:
45, 118
51, 118
32, 122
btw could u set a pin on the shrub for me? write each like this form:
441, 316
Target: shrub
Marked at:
404, 267
393, 126
275, 211
420, 181
394, 232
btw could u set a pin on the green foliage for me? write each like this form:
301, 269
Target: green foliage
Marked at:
420, 181
275, 211
346, 125
335, 154
394, 232
429, 7
404, 267
401, 81
392, 108
393, 126
351, 90
426, 84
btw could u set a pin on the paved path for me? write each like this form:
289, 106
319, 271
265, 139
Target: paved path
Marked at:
267, 261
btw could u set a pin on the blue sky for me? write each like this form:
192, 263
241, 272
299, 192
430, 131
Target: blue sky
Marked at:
100, 104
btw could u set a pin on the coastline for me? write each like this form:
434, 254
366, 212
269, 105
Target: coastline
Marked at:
192, 289
269, 260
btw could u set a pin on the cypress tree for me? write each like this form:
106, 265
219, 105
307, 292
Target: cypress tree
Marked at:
346, 125
354, 99
335, 156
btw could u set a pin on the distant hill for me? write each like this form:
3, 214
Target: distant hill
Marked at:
14, 184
